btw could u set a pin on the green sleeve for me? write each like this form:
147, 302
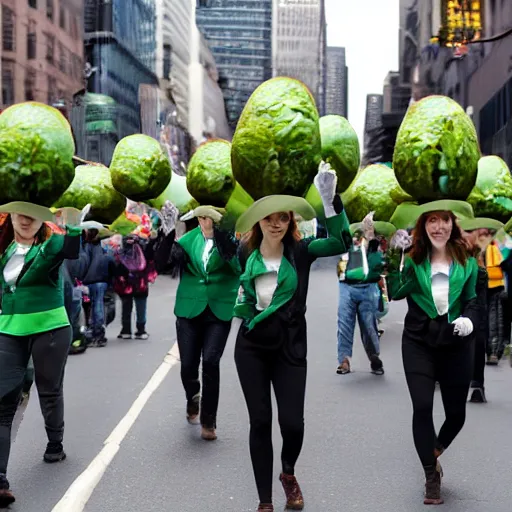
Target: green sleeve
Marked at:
338, 230
375, 267
65, 246
401, 284
469, 292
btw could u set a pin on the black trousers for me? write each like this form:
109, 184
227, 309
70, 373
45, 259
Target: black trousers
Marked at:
258, 370
49, 352
204, 336
450, 365
479, 360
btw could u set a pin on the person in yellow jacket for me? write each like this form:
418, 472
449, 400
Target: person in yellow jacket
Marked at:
495, 300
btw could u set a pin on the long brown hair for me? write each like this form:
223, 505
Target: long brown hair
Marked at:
252, 240
7, 234
456, 247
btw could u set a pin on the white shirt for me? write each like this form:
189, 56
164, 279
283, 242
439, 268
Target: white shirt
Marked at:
208, 246
14, 266
441, 286
267, 283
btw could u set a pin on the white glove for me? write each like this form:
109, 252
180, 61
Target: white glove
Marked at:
92, 224
85, 211
368, 227
325, 182
463, 326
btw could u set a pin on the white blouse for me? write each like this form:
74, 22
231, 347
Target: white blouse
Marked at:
266, 284
441, 287
208, 246
14, 266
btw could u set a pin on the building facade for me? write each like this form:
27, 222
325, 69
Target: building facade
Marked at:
120, 45
336, 89
299, 44
239, 34
42, 51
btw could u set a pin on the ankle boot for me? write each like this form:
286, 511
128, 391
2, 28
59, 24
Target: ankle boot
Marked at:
433, 485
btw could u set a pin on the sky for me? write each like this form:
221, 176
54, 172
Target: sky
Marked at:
368, 29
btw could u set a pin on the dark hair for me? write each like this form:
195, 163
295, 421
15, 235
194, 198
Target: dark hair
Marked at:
252, 240
7, 234
421, 247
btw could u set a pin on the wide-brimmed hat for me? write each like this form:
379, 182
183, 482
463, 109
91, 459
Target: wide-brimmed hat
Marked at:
480, 223
211, 212
508, 227
385, 229
273, 204
461, 209
405, 216
34, 211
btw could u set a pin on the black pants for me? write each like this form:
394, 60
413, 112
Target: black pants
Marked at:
257, 371
49, 352
496, 308
452, 367
141, 302
204, 336
479, 360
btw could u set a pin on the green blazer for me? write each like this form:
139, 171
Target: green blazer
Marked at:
216, 286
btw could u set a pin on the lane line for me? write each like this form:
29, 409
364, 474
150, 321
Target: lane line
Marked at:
80, 491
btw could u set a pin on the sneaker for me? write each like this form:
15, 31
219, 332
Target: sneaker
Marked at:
77, 347
193, 410
266, 507
125, 336
376, 365
492, 360
141, 335
294, 498
6, 495
433, 486
381, 332
208, 434
344, 367
54, 452
478, 396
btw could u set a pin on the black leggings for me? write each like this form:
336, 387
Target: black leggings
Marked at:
257, 370
452, 367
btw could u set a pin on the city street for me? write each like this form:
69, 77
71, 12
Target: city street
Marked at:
358, 453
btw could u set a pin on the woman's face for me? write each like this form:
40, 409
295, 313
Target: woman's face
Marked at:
483, 237
439, 229
275, 226
206, 225
25, 227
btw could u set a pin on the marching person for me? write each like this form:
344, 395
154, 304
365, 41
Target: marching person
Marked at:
204, 308
439, 281
33, 322
271, 344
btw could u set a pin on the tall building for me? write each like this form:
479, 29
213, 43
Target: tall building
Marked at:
299, 44
120, 45
41, 51
239, 33
336, 91
396, 96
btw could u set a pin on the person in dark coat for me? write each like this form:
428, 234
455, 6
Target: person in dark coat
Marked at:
271, 346
439, 280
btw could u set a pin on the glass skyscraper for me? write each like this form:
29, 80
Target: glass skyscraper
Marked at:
239, 33
337, 82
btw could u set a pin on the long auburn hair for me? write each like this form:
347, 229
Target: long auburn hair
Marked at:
456, 246
252, 240
7, 234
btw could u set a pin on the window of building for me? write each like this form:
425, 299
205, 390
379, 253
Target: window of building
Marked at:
93, 150
30, 84
52, 90
7, 82
75, 22
62, 17
63, 58
8, 29
31, 41
49, 9
50, 48
167, 60
32, 3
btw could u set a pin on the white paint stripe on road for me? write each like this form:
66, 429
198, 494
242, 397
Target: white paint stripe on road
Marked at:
81, 489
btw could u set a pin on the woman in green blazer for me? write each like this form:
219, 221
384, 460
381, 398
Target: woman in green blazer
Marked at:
33, 322
204, 308
438, 279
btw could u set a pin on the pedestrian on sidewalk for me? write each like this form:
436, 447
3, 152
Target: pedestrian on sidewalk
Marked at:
439, 280
271, 345
359, 273
204, 309
33, 322
476, 233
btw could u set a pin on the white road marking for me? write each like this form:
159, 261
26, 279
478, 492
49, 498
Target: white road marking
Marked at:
81, 489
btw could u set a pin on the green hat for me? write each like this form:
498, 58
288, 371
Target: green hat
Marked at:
273, 204
29, 210
385, 229
480, 223
405, 216
210, 212
461, 209
508, 227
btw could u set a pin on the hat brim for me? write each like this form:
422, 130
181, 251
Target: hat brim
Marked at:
385, 229
405, 216
460, 209
508, 227
273, 204
480, 223
211, 212
31, 210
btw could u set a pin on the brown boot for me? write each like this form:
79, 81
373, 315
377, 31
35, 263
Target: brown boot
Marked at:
208, 434
193, 410
6, 495
433, 486
294, 498
266, 507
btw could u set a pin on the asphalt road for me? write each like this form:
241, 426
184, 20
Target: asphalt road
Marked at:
358, 453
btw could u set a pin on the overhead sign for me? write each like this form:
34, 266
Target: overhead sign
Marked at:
462, 21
